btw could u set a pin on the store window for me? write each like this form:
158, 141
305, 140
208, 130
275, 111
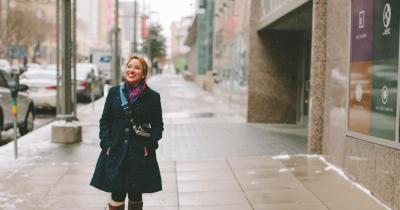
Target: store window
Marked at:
373, 73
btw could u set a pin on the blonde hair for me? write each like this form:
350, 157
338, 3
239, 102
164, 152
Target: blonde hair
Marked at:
142, 61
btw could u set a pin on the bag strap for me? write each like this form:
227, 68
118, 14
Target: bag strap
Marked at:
124, 101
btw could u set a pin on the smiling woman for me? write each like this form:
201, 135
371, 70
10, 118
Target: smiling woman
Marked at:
128, 164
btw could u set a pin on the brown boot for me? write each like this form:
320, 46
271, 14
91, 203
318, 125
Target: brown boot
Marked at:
121, 207
135, 205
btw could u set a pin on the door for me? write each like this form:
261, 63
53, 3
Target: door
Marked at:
304, 79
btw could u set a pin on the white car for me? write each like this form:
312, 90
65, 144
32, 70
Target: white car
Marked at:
42, 87
34, 67
5, 65
52, 67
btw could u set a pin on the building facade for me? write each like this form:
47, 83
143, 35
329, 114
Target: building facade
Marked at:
231, 45
105, 23
329, 66
28, 30
178, 50
200, 40
332, 65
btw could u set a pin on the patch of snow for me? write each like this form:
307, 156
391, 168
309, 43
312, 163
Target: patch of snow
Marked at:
2, 199
318, 172
283, 170
63, 123
251, 172
281, 157
286, 170
357, 185
357, 158
8, 206
310, 156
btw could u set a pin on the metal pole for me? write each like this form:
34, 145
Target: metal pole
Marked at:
66, 60
135, 27
1, 26
58, 55
74, 57
115, 59
6, 43
15, 132
14, 94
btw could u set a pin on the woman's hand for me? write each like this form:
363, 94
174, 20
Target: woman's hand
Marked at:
145, 152
108, 151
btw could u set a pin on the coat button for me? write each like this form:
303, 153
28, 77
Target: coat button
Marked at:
127, 130
126, 141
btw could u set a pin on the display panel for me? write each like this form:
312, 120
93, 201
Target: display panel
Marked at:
373, 76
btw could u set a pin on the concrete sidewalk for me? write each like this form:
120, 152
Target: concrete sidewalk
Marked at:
209, 158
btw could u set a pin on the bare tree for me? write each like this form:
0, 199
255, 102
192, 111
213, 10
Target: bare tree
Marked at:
24, 30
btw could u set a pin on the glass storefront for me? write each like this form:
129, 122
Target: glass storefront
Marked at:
373, 75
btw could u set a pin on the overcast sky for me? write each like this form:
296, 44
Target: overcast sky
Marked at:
165, 12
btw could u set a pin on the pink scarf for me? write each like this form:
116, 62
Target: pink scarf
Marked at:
134, 92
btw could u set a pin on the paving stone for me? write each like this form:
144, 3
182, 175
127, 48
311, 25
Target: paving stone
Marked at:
211, 198
222, 207
281, 196
290, 206
209, 186
205, 175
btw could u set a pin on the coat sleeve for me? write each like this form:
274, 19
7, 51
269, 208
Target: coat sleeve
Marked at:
156, 122
106, 124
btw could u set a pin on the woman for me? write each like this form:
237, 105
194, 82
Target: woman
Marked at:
127, 164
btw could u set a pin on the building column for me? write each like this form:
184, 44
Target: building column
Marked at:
318, 66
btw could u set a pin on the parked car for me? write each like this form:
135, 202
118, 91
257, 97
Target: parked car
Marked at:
5, 65
34, 66
87, 74
52, 67
42, 87
25, 106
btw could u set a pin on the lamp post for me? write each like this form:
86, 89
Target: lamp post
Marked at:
135, 27
66, 129
116, 73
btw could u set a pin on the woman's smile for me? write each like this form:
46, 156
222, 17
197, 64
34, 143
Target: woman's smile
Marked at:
131, 75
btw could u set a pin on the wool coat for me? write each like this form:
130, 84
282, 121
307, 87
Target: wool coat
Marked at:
126, 168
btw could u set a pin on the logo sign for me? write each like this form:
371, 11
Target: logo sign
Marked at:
387, 17
385, 94
361, 19
359, 93
105, 59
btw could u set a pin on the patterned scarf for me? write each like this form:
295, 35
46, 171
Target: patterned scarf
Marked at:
134, 92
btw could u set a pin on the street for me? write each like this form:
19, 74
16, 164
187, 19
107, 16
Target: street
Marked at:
43, 117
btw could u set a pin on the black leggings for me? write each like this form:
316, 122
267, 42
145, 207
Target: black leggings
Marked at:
120, 197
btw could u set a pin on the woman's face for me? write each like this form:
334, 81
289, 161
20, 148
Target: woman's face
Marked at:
134, 71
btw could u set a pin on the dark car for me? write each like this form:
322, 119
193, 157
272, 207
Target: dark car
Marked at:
25, 106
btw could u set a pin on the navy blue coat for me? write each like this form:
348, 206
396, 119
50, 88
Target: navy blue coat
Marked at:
126, 169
